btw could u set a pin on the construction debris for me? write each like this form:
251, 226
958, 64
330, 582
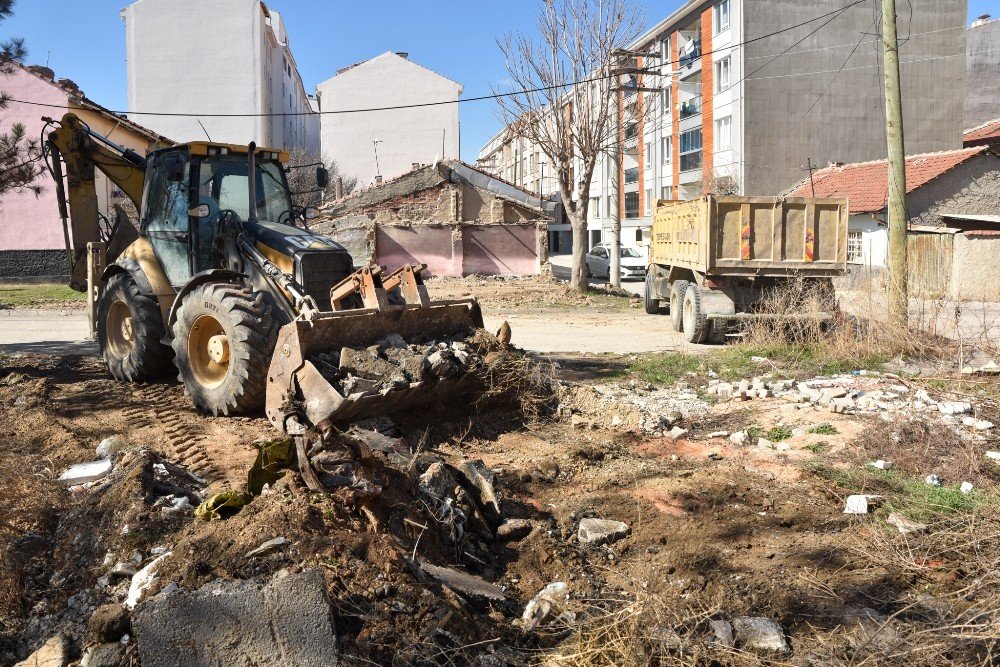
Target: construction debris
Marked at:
860, 503
268, 547
464, 583
285, 623
760, 634
548, 605
52, 654
906, 526
143, 581
82, 473
595, 532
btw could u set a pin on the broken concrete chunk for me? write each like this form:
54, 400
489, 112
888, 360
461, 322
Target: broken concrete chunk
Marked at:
738, 438
53, 653
881, 464
760, 634
676, 432
860, 503
954, 407
81, 473
122, 571
478, 479
595, 532
268, 547
906, 526
104, 655
513, 530
109, 447
464, 583
286, 623
437, 481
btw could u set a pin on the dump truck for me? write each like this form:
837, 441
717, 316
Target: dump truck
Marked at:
716, 261
217, 282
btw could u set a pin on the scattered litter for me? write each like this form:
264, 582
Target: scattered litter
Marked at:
464, 583
881, 464
906, 526
762, 634
725, 636
142, 580
81, 473
267, 547
547, 605
993, 456
932, 480
966, 488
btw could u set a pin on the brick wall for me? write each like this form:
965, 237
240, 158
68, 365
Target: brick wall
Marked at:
707, 91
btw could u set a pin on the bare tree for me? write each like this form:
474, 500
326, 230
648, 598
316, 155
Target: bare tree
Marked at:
564, 97
302, 179
20, 154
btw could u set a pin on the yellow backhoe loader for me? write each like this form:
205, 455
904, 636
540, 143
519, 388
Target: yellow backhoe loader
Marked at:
217, 280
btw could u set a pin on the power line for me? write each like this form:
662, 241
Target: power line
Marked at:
479, 98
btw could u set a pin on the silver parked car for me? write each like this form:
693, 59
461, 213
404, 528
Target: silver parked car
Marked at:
633, 266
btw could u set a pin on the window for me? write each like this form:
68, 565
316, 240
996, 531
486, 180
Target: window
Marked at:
666, 148
667, 96
690, 149
720, 17
722, 74
592, 211
612, 210
632, 175
631, 204
595, 237
631, 131
854, 246
534, 162
665, 192
649, 201
724, 133
649, 152
638, 235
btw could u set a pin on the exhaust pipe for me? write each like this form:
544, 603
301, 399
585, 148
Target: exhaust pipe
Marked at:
252, 184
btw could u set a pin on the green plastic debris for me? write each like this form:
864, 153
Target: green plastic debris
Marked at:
272, 457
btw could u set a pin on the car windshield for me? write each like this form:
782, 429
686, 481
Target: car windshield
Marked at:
223, 179
628, 252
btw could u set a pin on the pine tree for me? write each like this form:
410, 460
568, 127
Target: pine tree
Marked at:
20, 155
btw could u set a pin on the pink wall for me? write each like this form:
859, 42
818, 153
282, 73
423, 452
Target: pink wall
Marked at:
28, 222
433, 246
500, 249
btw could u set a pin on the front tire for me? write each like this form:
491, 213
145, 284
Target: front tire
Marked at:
652, 305
130, 332
224, 338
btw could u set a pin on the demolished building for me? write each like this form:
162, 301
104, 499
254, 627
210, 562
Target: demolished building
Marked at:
453, 217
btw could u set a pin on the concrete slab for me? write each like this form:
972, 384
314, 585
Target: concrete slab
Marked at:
286, 623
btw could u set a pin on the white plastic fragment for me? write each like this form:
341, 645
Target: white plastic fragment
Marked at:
859, 503
548, 604
966, 488
881, 464
81, 473
993, 456
933, 480
142, 580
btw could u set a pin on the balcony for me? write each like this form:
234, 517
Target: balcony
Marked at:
691, 107
632, 175
692, 56
691, 161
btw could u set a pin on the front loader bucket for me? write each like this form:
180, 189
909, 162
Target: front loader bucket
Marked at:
299, 395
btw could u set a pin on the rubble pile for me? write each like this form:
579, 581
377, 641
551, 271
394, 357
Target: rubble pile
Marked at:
392, 364
631, 406
858, 393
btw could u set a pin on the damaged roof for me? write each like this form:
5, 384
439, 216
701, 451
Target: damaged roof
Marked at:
985, 134
865, 184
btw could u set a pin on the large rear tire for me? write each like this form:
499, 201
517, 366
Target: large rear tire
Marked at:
652, 305
224, 338
696, 324
130, 332
677, 290
717, 330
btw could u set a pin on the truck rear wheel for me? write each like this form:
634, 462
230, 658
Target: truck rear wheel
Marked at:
677, 290
224, 338
696, 323
717, 330
652, 305
130, 330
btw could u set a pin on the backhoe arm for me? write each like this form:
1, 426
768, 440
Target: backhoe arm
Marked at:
82, 151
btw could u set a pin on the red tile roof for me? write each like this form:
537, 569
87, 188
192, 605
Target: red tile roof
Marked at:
865, 184
987, 133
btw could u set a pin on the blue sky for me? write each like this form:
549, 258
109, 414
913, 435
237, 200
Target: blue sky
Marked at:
84, 40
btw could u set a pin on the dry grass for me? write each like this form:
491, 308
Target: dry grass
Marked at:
510, 376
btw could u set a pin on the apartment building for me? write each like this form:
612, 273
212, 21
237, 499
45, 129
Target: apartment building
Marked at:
735, 98
982, 71
386, 144
219, 57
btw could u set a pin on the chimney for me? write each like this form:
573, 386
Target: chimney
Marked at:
981, 20
70, 86
378, 180
403, 54
415, 165
42, 71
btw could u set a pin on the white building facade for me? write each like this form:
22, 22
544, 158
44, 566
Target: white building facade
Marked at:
218, 57
387, 143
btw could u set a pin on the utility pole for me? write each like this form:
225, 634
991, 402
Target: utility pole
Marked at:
898, 297
812, 183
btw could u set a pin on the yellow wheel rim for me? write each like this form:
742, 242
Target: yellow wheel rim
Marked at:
120, 329
208, 351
